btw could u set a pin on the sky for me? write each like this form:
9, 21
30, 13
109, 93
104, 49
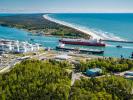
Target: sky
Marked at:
66, 6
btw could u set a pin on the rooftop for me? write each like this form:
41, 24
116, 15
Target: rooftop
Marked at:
63, 57
94, 70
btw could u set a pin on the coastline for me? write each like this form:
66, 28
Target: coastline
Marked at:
87, 32
84, 30
38, 24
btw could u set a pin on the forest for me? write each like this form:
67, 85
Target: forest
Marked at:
107, 88
108, 65
51, 80
35, 23
36, 80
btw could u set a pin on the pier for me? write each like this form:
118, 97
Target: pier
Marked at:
117, 41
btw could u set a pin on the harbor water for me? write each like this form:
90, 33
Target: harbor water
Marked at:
109, 26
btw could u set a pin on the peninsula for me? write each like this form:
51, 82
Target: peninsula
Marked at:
38, 25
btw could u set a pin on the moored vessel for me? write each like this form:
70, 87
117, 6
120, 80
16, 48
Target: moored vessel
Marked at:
90, 51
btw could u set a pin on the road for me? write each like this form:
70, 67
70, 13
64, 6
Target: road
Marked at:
16, 60
10, 65
75, 76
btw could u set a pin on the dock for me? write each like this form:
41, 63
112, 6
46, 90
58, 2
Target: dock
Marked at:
117, 41
91, 51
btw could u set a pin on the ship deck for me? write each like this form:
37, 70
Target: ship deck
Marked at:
90, 51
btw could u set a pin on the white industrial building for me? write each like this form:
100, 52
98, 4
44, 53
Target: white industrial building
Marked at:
17, 46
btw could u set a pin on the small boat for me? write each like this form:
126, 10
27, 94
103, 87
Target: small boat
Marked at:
119, 46
132, 55
31, 39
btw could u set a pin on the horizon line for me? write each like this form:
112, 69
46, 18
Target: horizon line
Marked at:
66, 12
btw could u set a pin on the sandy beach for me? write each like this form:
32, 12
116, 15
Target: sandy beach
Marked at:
95, 36
85, 30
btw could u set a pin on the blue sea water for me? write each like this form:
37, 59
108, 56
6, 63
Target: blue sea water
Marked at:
109, 26
117, 26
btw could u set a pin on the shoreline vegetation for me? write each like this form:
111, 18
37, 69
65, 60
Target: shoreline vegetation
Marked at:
36, 24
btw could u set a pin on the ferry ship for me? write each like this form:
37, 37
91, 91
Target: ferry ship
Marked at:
90, 42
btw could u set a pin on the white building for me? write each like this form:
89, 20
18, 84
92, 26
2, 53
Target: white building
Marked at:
63, 57
17, 47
